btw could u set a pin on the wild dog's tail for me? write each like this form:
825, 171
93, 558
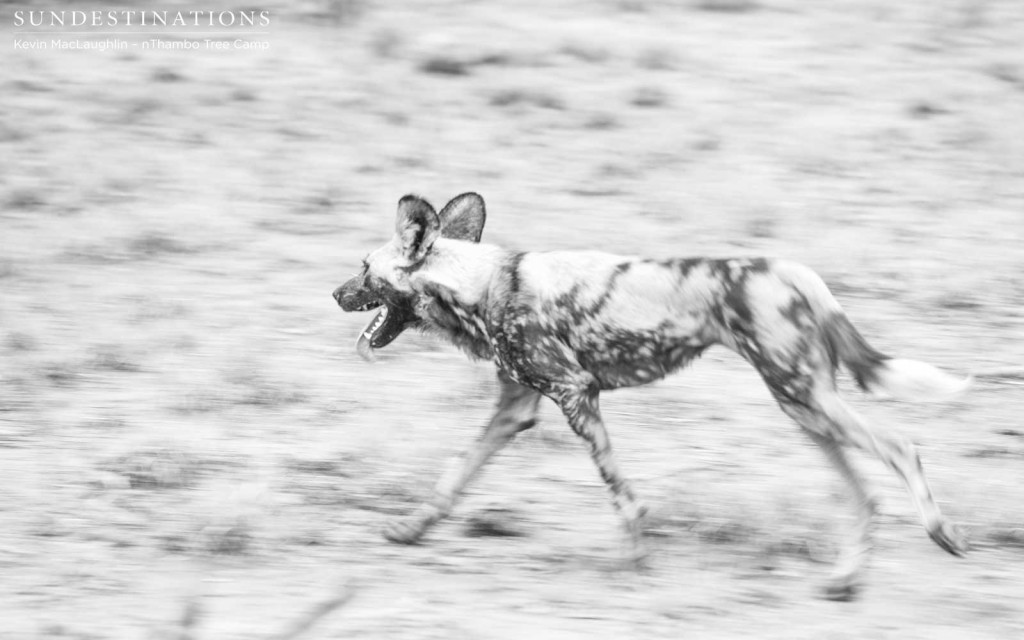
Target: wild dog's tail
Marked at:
874, 371
882, 375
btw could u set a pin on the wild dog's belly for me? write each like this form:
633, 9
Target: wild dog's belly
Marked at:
625, 359
546, 356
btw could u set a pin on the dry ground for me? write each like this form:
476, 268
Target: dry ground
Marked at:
188, 438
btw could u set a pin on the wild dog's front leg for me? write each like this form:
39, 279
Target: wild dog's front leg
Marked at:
516, 411
580, 407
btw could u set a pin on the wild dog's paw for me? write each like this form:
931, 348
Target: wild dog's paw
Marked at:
637, 555
949, 537
637, 550
405, 530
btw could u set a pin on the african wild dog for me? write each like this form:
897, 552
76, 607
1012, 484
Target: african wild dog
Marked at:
570, 324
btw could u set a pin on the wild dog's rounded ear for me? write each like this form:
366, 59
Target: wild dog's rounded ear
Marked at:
417, 227
463, 217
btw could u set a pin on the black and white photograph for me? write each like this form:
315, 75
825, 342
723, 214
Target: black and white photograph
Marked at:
482, 319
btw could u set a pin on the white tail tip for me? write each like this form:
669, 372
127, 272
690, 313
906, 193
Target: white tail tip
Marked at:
914, 380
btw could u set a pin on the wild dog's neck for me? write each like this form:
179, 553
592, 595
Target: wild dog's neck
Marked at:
465, 270
455, 284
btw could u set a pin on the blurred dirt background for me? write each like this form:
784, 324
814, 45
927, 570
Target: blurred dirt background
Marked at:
192, 449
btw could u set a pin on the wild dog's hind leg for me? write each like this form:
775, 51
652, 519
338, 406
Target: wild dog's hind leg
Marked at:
899, 455
831, 423
580, 406
516, 411
846, 576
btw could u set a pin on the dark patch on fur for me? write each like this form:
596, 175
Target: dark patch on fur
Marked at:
617, 273
847, 345
757, 265
682, 265
512, 269
568, 301
736, 301
720, 270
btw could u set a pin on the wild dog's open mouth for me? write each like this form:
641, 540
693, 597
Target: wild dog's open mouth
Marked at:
385, 327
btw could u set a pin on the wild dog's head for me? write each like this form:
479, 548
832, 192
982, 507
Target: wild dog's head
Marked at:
384, 280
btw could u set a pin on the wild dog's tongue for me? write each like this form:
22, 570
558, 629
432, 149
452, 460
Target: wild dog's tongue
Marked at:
385, 327
363, 348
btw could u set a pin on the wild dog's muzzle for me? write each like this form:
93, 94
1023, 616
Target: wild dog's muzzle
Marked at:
391, 320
